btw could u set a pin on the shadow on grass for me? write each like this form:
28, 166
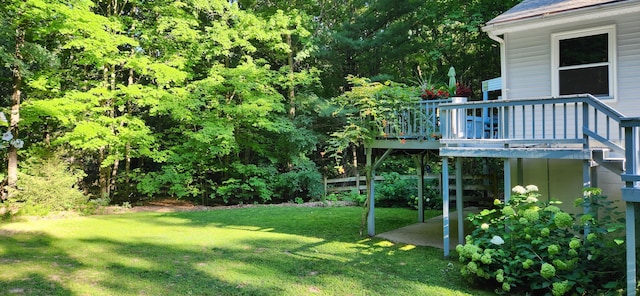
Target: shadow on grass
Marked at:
27, 251
332, 223
285, 252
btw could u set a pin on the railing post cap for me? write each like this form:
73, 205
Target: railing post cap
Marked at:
629, 121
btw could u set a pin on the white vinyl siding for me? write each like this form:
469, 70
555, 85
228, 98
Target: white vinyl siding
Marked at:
529, 65
629, 66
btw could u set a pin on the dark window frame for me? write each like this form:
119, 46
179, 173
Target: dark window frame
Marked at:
582, 71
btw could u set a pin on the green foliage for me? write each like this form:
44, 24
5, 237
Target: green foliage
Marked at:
251, 183
302, 180
100, 201
48, 184
432, 196
351, 196
247, 183
528, 245
389, 39
367, 107
396, 191
181, 98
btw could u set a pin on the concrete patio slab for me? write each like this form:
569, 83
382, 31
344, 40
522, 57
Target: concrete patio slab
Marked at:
430, 233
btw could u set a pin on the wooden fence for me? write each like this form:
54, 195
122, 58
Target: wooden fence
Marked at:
482, 183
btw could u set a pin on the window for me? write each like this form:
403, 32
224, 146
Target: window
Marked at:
584, 62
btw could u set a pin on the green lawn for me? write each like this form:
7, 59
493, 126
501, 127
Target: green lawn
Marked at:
244, 251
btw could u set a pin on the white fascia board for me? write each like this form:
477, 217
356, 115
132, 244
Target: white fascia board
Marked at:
541, 21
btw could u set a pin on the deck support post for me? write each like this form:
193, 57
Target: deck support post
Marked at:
445, 205
630, 228
586, 182
632, 168
371, 221
459, 201
371, 179
507, 180
586, 173
420, 164
520, 172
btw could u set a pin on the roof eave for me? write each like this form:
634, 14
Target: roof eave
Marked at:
570, 16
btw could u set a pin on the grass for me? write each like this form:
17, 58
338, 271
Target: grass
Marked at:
245, 251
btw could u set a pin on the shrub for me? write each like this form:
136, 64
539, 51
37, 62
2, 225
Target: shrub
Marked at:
247, 183
529, 245
396, 191
302, 180
353, 196
48, 185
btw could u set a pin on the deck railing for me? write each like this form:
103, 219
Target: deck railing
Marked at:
579, 119
420, 123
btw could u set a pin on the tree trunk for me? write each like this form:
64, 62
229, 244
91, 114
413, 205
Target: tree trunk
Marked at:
103, 175
112, 114
127, 148
104, 171
292, 92
354, 155
12, 171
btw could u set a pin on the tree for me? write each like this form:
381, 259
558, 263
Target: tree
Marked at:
28, 53
106, 79
389, 40
235, 122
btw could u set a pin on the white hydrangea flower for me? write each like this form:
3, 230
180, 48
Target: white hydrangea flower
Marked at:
484, 226
532, 188
7, 136
496, 240
519, 190
531, 199
17, 143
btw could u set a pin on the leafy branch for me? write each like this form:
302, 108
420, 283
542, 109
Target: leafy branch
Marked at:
367, 108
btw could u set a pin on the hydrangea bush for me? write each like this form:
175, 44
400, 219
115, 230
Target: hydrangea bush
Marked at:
534, 246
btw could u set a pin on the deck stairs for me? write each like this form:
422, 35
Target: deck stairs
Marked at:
612, 161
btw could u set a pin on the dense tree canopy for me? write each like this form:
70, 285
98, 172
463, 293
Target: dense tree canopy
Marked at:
214, 100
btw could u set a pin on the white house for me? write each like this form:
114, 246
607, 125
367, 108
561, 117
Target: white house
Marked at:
553, 48
569, 116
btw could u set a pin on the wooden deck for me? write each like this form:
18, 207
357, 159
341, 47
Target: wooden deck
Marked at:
569, 127
565, 127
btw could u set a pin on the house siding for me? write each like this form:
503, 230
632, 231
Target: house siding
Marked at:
528, 68
610, 184
629, 66
556, 179
561, 180
528, 62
